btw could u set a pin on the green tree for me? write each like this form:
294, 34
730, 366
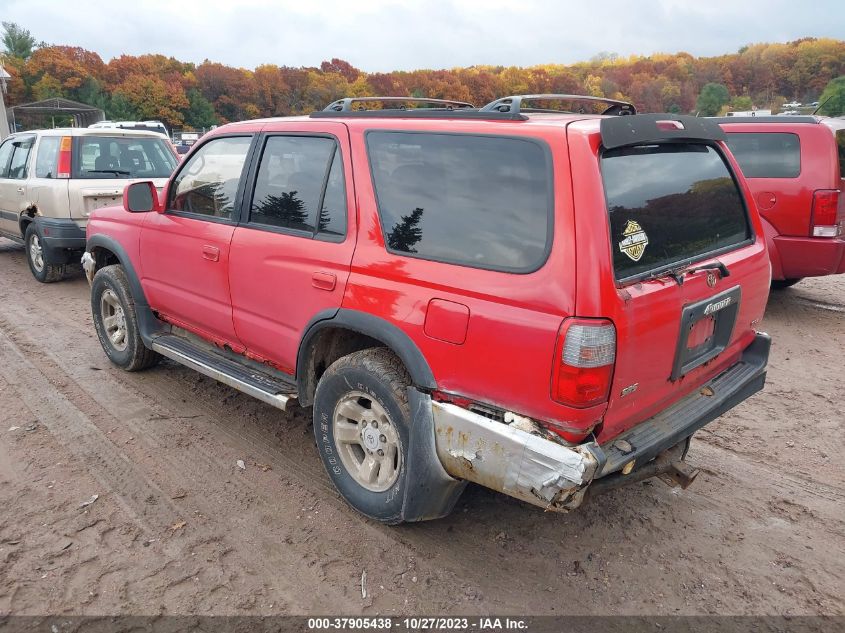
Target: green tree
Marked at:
832, 101
17, 41
741, 104
711, 99
200, 112
47, 87
120, 109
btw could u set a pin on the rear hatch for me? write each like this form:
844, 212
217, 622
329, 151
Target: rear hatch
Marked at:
686, 278
103, 164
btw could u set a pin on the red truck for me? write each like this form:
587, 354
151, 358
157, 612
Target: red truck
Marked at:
795, 167
543, 302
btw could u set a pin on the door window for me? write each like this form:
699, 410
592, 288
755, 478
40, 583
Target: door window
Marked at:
300, 186
208, 183
20, 156
5, 155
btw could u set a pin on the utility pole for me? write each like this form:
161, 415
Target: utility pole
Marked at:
4, 121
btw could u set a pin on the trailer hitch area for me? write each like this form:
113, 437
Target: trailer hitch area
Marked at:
669, 466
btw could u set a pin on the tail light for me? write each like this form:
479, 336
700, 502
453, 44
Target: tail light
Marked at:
585, 356
63, 165
827, 220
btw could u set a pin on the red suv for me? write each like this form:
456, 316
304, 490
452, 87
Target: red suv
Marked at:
542, 302
794, 166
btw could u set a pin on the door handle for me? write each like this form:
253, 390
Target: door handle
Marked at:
324, 281
211, 253
21, 190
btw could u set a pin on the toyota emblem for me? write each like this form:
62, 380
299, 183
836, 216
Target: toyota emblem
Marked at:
711, 280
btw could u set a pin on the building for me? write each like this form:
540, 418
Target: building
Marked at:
4, 120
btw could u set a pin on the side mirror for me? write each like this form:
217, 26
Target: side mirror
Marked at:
141, 197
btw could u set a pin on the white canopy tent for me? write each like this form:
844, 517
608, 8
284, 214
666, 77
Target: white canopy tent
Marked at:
4, 120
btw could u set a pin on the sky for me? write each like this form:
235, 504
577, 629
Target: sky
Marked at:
383, 35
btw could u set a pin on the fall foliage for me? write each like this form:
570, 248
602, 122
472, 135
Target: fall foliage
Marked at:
189, 95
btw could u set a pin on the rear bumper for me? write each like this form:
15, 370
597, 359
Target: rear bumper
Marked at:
810, 256
518, 460
59, 233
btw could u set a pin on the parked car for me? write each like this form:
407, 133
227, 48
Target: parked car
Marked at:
544, 303
795, 169
144, 126
51, 181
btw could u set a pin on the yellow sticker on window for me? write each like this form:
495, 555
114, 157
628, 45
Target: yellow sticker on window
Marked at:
634, 242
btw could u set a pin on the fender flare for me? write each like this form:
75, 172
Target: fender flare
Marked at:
769, 233
148, 324
374, 327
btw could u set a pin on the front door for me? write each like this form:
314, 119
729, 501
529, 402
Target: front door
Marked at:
291, 255
14, 163
185, 249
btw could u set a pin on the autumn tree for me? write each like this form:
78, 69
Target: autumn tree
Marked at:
832, 101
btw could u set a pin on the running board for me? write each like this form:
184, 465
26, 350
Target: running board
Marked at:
274, 391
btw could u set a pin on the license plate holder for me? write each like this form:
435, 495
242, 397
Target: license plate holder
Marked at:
723, 308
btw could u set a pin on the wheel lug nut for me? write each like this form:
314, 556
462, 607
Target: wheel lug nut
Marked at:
375, 424
382, 438
381, 453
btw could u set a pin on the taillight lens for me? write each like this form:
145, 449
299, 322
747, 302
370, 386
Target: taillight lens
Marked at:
63, 166
827, 221
585, 356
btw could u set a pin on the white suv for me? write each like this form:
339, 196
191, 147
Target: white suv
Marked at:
51, 181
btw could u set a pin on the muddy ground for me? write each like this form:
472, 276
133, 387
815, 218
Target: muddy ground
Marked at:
178, 527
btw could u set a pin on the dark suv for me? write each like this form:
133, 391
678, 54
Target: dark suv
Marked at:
540, 301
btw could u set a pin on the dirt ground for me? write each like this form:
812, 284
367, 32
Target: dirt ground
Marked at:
179, 528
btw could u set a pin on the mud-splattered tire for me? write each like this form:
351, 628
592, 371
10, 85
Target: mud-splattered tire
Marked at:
116, 321
41, 269
782, 284
362, 425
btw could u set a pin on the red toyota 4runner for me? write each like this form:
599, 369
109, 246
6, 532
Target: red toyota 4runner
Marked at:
542, 302
794, 167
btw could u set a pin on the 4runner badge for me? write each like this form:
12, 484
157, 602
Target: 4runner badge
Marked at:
635, 241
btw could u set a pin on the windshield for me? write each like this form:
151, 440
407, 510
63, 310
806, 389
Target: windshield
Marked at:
668, 205
122, 157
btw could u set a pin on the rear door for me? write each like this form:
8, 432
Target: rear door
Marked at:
291, 254
8, 217
674, 206
15, 154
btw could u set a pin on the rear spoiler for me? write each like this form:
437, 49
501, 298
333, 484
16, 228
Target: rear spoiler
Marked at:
642, 129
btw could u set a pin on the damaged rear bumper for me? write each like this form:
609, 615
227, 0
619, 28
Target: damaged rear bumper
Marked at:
518, 460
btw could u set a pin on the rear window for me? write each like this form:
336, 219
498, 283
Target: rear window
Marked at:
670, 204
840, 143
122, 157
766, 155
478, 201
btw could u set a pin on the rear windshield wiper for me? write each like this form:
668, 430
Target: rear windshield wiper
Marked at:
116, 172
679, 273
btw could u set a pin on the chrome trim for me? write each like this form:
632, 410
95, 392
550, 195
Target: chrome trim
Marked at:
512, 458
277, 400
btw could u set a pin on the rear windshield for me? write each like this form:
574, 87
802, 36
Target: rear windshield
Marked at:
122, 157
766, 155
478, 201
670, 204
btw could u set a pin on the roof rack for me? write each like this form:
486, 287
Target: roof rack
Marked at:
775, 118
347, 104
513, 104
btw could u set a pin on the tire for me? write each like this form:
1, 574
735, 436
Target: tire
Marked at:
41, 269
116, 321
782, 284
376, 381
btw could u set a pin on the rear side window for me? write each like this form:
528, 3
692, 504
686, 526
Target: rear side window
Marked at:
300, 186
766, 155
47, 157
840, 143
122, 157
669, 204
208, 182
479, 201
